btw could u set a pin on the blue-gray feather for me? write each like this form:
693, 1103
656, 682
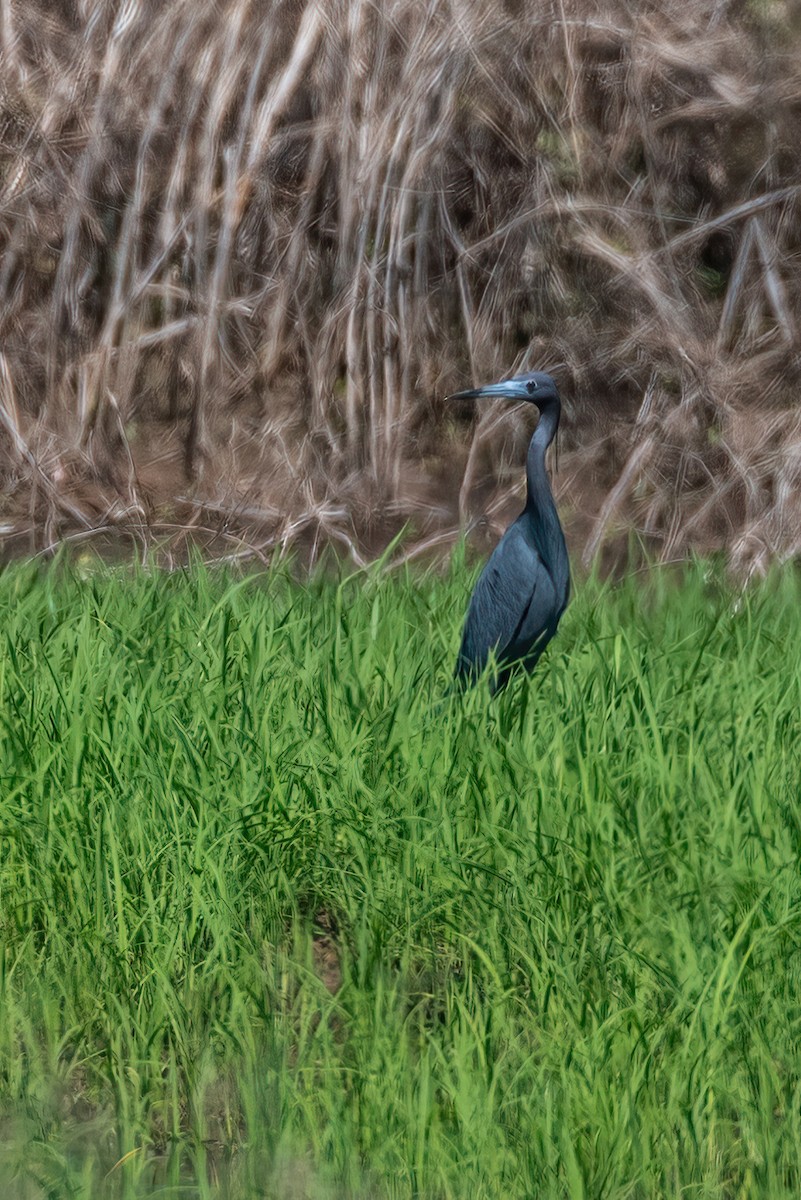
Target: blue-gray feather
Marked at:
524, 587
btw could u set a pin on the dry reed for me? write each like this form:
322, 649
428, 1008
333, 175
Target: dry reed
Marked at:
248, 245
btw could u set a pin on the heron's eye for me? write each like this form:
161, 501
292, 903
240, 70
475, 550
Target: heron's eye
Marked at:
531, 386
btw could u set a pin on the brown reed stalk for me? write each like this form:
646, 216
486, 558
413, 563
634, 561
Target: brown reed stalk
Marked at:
246, 246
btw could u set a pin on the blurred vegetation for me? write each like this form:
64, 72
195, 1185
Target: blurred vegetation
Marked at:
248, 245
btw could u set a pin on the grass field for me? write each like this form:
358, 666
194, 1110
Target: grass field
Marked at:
275, 925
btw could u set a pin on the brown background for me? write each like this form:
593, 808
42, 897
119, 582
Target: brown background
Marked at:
248, 246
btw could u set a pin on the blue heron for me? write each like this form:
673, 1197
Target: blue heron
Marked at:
524, 588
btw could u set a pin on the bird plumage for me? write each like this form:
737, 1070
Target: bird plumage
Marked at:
524, 587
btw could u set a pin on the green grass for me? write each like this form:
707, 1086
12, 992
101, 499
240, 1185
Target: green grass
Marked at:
275, 925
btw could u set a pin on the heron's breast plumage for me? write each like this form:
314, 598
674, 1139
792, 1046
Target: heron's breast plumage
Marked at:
514, 603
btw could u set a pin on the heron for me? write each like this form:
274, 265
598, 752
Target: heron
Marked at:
524, 587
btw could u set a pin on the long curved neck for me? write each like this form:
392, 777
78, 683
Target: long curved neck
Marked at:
540, 505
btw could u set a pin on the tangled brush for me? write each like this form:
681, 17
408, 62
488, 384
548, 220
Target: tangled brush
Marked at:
248, 245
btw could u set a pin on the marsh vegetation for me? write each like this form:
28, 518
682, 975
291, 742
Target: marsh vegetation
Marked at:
248, 245
273, 924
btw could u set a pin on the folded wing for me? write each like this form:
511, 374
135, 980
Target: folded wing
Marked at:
513, 608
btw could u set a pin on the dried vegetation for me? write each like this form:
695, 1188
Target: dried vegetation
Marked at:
248, 245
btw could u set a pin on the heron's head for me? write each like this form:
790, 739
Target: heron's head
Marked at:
534, 386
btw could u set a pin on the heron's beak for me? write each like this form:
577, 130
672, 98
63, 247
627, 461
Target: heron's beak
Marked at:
508, 390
